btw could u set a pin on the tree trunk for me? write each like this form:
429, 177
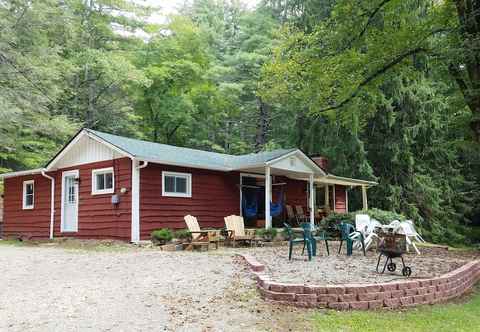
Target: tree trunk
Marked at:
262, 124
90, 113
300, 124
467, 74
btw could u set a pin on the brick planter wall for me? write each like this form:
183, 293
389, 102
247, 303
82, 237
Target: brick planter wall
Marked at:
367, 296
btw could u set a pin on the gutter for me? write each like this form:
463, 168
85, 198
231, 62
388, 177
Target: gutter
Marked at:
21, 173
52, 202
145, 164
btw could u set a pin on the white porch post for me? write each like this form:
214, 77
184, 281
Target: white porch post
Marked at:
312, 202
135, 229
268, 190
327, 199
364, 198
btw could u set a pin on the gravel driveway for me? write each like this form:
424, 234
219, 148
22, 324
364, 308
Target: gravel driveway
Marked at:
54, 289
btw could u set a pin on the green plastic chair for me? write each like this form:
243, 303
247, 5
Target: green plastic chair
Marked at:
348, 234
319, 236
306, 241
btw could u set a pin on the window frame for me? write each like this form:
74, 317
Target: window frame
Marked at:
187, 176
99, 171
24, 195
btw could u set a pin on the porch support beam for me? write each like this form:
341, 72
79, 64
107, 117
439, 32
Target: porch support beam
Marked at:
364, 197
268, 199
135, 228
312, 201
327, 199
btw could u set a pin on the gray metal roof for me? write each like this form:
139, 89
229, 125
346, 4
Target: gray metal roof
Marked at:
174, 155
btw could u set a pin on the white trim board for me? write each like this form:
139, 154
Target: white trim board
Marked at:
95, 172
82, 138
303, 157
187, 176
24, 197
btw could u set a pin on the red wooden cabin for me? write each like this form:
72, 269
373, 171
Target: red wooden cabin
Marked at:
105, 186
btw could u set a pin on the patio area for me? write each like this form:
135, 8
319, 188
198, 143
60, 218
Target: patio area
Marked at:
342, 269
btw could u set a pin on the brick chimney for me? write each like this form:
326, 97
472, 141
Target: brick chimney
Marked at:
321, 161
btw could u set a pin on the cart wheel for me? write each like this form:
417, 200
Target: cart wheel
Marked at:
406, 271
391, 267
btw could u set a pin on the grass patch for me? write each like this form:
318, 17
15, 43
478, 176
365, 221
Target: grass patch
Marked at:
448, 317
12, 242
73, 244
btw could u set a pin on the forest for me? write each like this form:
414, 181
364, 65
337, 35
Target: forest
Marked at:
387, 90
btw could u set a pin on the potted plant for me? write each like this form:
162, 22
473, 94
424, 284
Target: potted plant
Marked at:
162, 236
183, 235
267, 234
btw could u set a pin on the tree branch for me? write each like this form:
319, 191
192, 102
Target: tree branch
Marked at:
371, 77
371, 16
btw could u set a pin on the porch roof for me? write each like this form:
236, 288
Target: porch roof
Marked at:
333, 179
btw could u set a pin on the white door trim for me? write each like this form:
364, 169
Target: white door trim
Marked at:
62, 222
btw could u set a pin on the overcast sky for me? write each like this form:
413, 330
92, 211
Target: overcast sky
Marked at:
170, 6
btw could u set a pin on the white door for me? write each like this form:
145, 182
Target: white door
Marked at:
69, 201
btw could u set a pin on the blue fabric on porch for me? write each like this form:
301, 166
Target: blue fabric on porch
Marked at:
250, 202
277, 208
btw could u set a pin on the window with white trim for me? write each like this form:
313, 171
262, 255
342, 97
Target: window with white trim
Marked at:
176, 184
103, 181
28, 194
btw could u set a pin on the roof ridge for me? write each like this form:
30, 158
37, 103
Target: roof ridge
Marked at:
156, 143
189, 148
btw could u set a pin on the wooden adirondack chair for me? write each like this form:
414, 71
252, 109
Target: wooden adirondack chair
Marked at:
201, 237
291, 217
301, 216
236, 230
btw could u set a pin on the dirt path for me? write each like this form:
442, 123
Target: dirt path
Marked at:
53, 289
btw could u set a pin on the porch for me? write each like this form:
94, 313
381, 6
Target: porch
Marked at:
296, 180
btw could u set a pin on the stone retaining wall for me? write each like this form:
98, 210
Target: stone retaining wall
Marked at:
392, 295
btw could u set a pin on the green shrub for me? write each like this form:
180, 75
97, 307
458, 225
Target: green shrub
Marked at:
384, 217
335, 218
267, 234
162, 236
182, 234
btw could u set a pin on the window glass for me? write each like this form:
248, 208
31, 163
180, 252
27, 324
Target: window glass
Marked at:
170, 184
29, 189
103, 181
28, 195
108, 180
181, 185
177, 184
100, 181
71, 190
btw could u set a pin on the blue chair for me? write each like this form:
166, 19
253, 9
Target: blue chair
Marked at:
348, 233
307, 229
306, 241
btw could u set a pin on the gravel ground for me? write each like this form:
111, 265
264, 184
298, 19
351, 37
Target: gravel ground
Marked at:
57, 289
339, 268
